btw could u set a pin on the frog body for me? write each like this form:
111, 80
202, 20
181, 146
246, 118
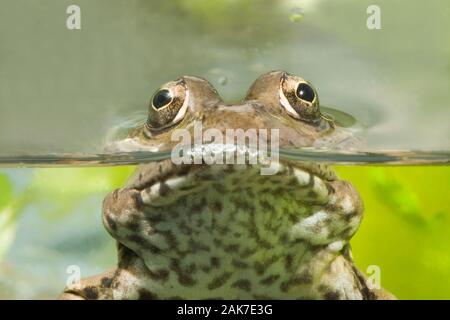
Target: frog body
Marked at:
224, 230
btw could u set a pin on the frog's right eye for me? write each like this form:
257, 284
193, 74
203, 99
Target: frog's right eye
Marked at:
168, 105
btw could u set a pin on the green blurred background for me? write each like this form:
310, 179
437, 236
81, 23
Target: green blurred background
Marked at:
60, 91
50, 219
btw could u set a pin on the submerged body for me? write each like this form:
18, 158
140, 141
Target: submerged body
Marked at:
224, 231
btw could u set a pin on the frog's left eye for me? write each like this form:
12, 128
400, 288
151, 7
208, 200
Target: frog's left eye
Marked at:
299, 98
161, 99
168, 105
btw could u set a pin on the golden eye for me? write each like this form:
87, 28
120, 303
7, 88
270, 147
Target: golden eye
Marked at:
168, 105
299, 98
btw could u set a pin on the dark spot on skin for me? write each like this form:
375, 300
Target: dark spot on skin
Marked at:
304, 277
200, 222
267, 281
138, 200
349, 216
266, 205
247, 253
90, 293
330, 188
264, 243
184, 278
182, 253
213, 222
126, 257
244, 205
111, 223
229, 169
183, 170
261, 267
205, 269
159, 275
116, 284
185, 187
219, 281
346, 232
144, 244
223, 230
250, 192
215, 262
272, 226
284, 286
293, 181
219, 187
204, 175
133, 222
115, 194
346, 252
293, 217
297, 280
170, 238
173, 213
239, 264
312, 194
145, 294
155, 218
164, 189
184, 228
279, 192
217, 206
236, 180
365, 291
198, 246
217, 242
332, 295
231, 248
106, 282
198, 207
253, 232
191, 268
242, 284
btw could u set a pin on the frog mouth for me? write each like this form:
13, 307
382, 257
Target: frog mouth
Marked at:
168, 182
159, 178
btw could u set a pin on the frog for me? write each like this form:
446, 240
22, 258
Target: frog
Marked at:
226, 231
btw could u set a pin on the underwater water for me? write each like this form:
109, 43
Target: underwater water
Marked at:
63, 91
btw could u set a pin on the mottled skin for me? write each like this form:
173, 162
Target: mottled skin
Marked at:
226, 231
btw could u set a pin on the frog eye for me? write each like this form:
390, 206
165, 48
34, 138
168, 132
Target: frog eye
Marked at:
168, 105
305, 92
299, 98
161, 98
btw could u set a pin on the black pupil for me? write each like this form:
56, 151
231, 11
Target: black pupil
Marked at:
162, 98
305, 92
